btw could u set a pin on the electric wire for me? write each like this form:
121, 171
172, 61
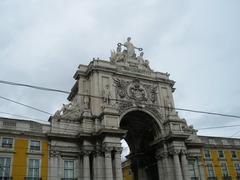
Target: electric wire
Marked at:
67, 130
66, 92
25, 105
218, 127
34, 87
234, 134
94, 96
21, 116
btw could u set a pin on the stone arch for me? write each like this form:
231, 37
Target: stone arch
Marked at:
143, 129
155, 116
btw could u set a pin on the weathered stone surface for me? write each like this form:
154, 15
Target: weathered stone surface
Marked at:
122, 98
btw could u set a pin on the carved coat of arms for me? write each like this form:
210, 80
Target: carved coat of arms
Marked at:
135, 90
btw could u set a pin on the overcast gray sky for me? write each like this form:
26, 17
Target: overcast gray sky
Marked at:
197, 42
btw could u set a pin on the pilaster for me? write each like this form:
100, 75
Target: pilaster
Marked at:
86, 165
184, 162
108, 164
177, 165
118, 167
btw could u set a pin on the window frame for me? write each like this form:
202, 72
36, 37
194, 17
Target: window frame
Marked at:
236, 156
209, 153
192, 170
10, 165
28, 167
237, 168
212, 168
226, 168
5, 137
30, 146
65, 175
223, 155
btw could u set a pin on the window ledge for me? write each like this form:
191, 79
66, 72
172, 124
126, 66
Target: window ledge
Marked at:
6, 150
35, 153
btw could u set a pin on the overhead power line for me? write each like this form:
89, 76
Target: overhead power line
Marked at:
34, 87
218, 127
28, 106
21, 116
66, 92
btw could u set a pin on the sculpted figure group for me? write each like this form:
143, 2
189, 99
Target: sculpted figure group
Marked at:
129, 54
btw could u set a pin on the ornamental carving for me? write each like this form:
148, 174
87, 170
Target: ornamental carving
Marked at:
69, 112
128, 59
153, 93
121, 87
135, 90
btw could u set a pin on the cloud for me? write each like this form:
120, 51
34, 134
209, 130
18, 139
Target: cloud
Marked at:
43, 42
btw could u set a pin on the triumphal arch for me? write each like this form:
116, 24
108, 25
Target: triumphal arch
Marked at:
121, 98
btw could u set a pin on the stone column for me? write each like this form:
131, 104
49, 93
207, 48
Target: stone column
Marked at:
99, 171
86, 166
185, 168
118, 166
53, 168
177, 166
160, 169
166, 166
108, 165
160, 165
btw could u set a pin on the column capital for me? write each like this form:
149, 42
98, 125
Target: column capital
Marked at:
108, 149
98, 153
54, 153
162, 155
85, 152
184, 152
175, 152
118, 150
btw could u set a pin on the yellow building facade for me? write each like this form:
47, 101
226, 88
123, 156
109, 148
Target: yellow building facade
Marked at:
221, 158
127, 172
24, 154
23, 150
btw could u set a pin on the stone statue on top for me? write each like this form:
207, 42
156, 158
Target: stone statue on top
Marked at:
128, 57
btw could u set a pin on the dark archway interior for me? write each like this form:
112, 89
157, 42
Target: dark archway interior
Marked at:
141, 133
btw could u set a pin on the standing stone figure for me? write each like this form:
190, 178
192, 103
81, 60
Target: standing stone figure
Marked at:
130, 48
106, 95
86, 102
167, 104
140, 58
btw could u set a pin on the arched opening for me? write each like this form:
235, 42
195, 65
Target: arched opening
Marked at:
142, 130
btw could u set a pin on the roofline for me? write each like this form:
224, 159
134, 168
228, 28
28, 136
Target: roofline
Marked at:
219, 137
25, 120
